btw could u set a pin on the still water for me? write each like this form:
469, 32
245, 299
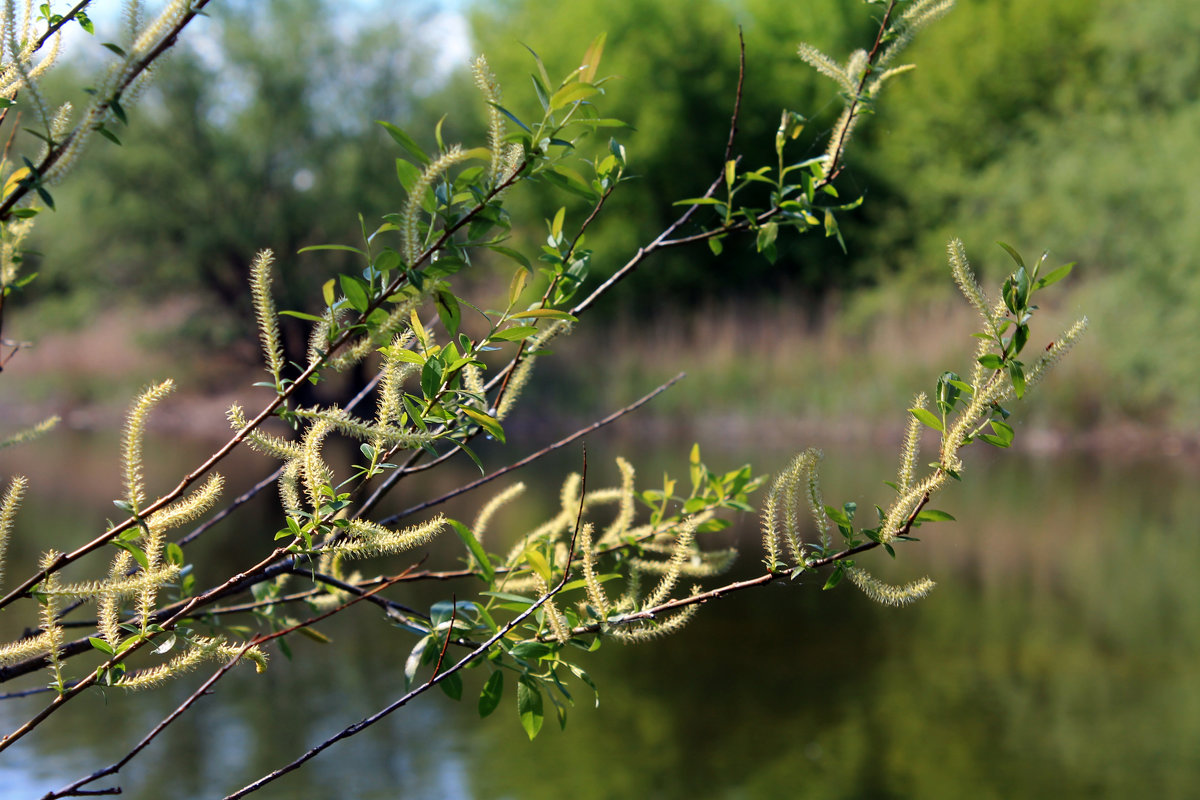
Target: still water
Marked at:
1059, 657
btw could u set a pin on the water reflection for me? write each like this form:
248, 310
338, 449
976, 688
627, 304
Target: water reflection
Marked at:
1056, 658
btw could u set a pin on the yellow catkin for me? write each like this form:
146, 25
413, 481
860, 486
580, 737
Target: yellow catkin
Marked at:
888, 594
264, 311
134, 434
912, 448
492, 506
8, 512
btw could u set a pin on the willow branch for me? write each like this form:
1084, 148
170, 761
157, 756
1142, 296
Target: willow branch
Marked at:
73, 790
437, 677
249, 427
529, 459
56, 152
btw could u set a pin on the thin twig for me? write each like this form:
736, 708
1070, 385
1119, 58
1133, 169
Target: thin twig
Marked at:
56, 152
479, 651
529, 459
73, 790
193, 476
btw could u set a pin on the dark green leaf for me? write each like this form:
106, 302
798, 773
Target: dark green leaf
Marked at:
530, 650
405, 141
448, 311
1012, 254
452, 685
493, 690
356, 291
1054, 276
991, 361
431, 377
529, 706
476, 550
138, 554
1017, 374
834, 578
931, 515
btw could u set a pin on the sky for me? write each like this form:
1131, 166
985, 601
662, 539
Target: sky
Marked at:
446, 24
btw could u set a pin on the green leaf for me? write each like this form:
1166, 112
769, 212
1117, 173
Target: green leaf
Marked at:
838, 516
571, 93
167, 643
927, 417
476, 550
699, 201
932, 515
513, 334
302, 315
513, 254
452, 685
331, 247
404, 354
102, 645
471, 454
517, 285
834, 578
115, 48
991, 361
510, 115
1017, 374
107, 134
1054, 276
529, 706
405, 141
448, 311
138, 554
1013, 254
493, 690
487, 422
566, 180
545, 313
431, 378
408, 174
356, 291
530, 650
414, 659
414, 412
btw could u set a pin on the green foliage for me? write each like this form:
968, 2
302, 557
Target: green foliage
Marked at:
447, 369
1069, 122
677, 77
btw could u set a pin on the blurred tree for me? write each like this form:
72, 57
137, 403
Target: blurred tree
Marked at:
257, 134
1073, 124
684, 58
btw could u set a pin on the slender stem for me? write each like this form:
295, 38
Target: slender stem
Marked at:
529, 459
72, 790
437, 677
56, 152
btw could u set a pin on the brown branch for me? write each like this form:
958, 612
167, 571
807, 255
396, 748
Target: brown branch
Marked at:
59, 701
470, 657
67, 17
664, 238
240, 436
529, 459
56, 152
74, 789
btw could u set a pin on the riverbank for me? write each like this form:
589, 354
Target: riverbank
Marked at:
754, 373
